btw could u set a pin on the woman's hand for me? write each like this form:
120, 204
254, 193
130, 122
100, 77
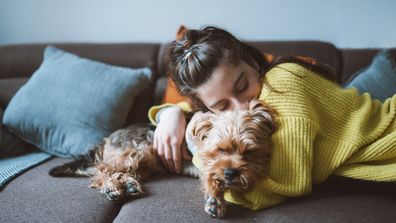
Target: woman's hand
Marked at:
168, 139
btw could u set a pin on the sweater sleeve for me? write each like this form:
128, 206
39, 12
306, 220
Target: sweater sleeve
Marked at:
154, 110
291, 166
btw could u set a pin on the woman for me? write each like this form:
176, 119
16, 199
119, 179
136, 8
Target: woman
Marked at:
322, 128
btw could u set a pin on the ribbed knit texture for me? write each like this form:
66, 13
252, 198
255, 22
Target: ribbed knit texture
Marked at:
322, 130
13, 166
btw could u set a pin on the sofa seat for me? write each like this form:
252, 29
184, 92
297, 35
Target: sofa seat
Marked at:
35, 196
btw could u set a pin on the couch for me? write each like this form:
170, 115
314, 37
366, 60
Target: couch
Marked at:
34, 196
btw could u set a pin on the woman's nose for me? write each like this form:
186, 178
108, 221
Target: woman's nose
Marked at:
240, 104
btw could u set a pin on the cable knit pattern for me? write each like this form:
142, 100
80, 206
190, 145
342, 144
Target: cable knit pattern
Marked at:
323, 130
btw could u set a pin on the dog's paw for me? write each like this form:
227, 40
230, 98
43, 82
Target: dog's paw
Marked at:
112, 193
214, 208
133, 188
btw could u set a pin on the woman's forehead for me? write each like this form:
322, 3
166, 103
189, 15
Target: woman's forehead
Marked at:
220, 84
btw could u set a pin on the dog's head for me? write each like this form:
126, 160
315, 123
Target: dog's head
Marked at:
234, 147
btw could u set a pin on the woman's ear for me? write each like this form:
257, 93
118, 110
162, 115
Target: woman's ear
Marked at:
263, 113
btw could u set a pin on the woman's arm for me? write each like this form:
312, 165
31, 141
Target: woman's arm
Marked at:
169, 134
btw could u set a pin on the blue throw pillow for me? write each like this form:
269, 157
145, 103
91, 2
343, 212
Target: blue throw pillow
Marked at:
10, 144
70, 103
378, 79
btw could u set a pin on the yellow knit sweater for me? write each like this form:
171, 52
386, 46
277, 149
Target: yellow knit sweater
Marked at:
322, 130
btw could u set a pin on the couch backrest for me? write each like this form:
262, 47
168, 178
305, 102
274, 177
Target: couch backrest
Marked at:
18, 62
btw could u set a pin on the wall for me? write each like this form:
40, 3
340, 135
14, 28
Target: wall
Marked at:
345, 23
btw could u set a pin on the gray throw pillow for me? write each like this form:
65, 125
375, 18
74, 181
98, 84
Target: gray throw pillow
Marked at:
378, 79
70, 103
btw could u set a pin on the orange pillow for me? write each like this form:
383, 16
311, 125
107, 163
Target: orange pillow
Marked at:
171, 94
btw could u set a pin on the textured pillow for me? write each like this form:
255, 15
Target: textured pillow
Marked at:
378, 79
70, 103
11, 145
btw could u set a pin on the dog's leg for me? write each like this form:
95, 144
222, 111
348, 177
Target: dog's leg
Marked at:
215, 205
82, 166
189, 169
76, 168
116, 184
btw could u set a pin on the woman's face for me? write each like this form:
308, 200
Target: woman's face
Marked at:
230, 87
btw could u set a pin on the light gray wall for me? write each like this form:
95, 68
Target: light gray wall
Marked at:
345, 23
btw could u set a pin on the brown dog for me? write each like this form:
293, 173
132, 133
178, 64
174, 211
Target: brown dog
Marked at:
233, 152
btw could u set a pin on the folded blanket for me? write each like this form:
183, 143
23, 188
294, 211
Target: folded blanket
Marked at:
13, 166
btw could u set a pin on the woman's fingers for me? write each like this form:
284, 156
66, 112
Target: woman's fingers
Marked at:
161, 153
169, 134
158, 145
176, 156
169, 157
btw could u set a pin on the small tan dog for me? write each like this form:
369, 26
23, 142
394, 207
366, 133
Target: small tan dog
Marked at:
233, 151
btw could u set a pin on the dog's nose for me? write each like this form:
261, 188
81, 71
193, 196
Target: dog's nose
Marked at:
230, 173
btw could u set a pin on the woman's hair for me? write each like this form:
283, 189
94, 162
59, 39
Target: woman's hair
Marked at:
193, 59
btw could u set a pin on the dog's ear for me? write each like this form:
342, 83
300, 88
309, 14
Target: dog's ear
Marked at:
263, 113
199, 127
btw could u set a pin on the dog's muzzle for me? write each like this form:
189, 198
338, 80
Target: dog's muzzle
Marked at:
230, 176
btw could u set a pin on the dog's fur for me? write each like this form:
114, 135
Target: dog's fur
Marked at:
233, 150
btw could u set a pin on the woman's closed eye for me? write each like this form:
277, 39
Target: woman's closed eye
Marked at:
242, 88
242, 84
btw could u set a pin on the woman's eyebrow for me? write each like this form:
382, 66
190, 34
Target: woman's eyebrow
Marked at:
241, 75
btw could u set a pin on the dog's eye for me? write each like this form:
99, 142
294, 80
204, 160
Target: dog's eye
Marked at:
249, 154
221, 150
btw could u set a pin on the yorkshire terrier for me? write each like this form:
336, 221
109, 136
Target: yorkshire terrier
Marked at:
120, 163
233, 151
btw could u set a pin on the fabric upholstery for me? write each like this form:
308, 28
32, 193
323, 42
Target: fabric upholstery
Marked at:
178, 199
35, 196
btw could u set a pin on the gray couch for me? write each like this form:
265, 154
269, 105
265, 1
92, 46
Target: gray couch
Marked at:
34, 196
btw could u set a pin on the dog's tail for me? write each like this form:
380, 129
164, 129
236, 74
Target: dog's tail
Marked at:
81, 166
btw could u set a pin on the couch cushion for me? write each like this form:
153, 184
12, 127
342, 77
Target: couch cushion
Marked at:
178, 199
35, 196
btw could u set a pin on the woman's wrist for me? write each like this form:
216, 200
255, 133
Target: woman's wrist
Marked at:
170, 108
